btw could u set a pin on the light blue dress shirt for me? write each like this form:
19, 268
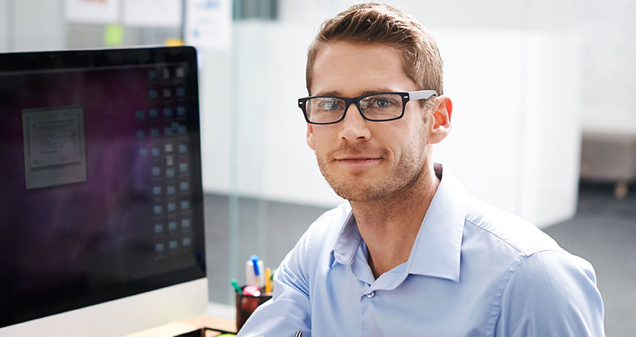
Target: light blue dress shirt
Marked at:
474, 270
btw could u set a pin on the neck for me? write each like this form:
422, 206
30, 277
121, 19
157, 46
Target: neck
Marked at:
390, 225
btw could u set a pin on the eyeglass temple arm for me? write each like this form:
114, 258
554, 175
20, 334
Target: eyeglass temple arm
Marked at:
422, 94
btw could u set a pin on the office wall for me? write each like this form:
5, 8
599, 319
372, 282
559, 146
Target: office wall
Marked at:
514, 142
215, 87
5, 25
27, 25
609, 103
41, 25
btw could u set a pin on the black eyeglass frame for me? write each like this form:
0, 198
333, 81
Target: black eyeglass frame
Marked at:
406, 97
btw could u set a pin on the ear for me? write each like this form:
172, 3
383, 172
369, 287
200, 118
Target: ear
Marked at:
442, 113
310, 134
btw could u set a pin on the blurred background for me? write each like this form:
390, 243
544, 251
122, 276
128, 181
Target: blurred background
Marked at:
544, 121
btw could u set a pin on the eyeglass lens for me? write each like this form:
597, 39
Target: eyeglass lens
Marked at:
375, 107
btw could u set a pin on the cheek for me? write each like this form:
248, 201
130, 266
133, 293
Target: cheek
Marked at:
419, 125
396, 142
409, 129
409, 140
321, 138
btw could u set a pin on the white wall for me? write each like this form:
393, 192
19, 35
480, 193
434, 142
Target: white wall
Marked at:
516, 131
215, 110
609, 103
4, 25
27, 25
41, 25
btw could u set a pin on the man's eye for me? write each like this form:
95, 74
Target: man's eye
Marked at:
329, 104
381, 103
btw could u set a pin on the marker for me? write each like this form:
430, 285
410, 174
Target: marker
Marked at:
271, 279
268, 281
236, 286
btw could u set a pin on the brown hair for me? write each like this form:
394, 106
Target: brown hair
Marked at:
379, 23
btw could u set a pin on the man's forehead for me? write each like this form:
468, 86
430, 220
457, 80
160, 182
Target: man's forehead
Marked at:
348, 68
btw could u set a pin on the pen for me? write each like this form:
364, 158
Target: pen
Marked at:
257, 272
298, 334
271, 280
236, 286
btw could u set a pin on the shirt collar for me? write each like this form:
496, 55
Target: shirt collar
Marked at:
437, 247
348, 241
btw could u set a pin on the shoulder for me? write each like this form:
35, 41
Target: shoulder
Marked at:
551, 269
326, 229
551, 293
319, 239
299, 267
542, 290
520, 236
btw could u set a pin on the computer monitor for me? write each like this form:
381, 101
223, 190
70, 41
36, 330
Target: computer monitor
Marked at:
101, 204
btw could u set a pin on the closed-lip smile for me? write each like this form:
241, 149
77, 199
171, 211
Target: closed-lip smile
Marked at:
357, 160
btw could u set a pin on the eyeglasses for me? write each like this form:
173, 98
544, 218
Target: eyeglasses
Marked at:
377, 107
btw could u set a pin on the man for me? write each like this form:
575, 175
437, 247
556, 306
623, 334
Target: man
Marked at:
411, 254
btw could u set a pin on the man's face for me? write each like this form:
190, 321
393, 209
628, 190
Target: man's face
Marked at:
363, 160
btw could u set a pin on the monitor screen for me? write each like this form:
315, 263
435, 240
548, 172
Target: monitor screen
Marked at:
100, 174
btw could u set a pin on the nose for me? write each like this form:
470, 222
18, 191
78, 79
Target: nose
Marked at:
354, 127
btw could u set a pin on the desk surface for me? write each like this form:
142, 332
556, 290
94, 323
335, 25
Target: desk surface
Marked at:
176, 328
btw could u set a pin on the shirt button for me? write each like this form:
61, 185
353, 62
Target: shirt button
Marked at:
371, 294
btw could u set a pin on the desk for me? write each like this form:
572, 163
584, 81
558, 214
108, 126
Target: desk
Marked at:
176, 328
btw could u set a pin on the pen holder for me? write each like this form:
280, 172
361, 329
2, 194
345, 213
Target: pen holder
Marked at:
245, 306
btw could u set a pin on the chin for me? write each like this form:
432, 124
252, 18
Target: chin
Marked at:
358, 188
357, 191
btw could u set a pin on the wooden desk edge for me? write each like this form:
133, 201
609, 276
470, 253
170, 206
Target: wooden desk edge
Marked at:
176, 328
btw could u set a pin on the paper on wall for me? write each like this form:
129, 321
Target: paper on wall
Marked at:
92, 11
208, 24
153, 13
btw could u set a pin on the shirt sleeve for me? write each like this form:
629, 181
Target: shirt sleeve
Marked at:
289, 310
551, 293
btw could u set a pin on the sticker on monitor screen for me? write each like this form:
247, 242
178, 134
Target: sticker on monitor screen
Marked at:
54, 146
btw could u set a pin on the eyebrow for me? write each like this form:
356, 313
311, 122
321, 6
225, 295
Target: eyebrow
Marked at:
366, 92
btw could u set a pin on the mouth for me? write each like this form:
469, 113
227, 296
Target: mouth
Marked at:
358, 161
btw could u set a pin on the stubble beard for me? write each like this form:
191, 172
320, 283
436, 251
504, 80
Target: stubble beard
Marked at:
400, 179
